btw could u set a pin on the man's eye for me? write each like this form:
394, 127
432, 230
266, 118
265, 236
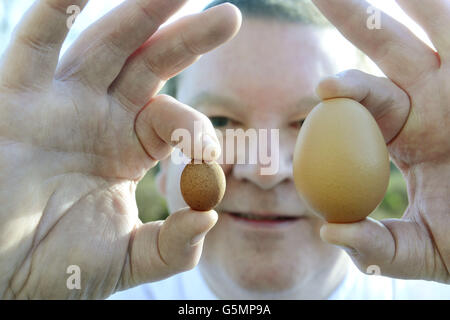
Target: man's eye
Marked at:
297, 124
219, 121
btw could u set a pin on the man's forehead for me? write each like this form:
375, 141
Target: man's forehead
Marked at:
264, 54
269, 42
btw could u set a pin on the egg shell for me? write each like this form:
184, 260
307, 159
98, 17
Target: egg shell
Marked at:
341, 162
202, 185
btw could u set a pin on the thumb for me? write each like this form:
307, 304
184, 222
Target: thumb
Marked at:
163, 248
398, 248
369, 243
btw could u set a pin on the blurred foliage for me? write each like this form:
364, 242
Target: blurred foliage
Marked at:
396, 199
152, 205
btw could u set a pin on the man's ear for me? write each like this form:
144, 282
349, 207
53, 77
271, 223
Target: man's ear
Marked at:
161, 176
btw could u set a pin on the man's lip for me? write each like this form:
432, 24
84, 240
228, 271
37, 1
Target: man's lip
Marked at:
263, 217
267, 214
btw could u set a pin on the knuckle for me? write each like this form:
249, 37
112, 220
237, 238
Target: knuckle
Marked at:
154, 67
159, 104
181, 265
352, 73
59, 6
198, 116
152, 14
189, 265
112, 43
35, 43
164, 99
189, 45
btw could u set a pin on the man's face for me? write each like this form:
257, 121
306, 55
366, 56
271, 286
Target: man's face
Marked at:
262, 79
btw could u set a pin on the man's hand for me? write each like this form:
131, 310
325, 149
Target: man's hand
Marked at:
77, 136
413, 111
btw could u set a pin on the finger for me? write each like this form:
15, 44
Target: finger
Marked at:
393, 246
160, 249
388, 103
33, 53
171, 50
102, 50
393, 47
163, 121
434, 17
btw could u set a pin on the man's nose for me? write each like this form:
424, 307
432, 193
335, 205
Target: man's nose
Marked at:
253, 173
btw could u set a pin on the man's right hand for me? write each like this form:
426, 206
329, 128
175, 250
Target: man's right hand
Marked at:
77, 135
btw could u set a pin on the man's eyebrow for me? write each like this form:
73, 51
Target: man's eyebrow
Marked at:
206, 98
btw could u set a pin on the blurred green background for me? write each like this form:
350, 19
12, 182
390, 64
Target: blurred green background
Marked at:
152, 205
396, 199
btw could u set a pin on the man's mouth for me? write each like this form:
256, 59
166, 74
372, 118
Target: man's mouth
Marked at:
263, 219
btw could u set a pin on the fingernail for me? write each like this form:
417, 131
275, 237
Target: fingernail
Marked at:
211, 149
196, 240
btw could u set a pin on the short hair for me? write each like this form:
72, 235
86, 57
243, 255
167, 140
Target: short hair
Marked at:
294, 11
300, 11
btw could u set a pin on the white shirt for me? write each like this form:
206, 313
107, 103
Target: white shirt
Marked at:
356, 285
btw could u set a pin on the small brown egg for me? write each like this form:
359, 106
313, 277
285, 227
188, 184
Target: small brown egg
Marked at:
341, 163
202, 185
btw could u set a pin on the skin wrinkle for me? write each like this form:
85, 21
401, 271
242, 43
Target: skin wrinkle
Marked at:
423, 232
139, 139
61, 9
426, 223
388, 46
152, 67
152, 15
79, 117
47, 233
437, 254
71, 71
12, 87
122, 100
116, 50
33, 247
74, 71
111, 265
178, 65
52, 149
41, 48
8, 294
188, 46
158, 246
67, 73
127, 261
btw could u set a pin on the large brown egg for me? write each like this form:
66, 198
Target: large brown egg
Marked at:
341, 163
202, 185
